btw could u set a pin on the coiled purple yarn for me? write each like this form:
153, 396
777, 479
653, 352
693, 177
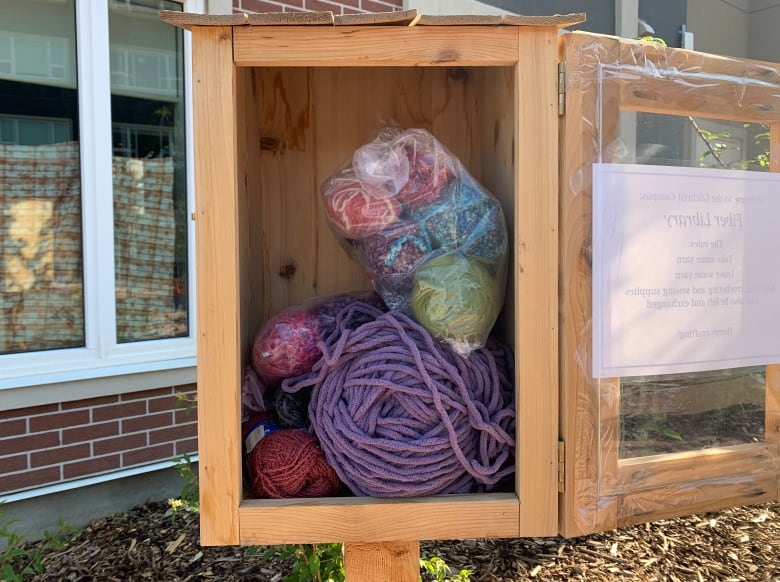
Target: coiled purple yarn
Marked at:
399, 415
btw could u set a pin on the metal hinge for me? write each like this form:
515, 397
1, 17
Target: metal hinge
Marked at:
561, 467
561, 88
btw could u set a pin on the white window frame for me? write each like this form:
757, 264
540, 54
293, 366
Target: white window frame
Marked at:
103, 366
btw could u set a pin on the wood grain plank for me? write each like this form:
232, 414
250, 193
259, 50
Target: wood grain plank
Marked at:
698, 497
374, 46
536, 269
255, 286
555, 20
291, 19
772, 414
188, 20
332, 93
581, 509
659, 79
214, 86
743, 461
397, 18
289, 209
361, 519
609, 433
384, 562
496, 171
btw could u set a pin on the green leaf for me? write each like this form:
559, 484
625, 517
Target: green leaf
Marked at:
672, 434
9, 575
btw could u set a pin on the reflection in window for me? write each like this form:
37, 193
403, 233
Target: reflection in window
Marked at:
150, 219
41, 289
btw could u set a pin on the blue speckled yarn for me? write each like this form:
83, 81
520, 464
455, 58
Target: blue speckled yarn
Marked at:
472, 221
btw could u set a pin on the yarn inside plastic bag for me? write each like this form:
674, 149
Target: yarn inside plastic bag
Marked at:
410, 202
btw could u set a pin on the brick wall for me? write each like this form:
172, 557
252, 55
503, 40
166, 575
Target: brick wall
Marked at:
50, 444
335, 6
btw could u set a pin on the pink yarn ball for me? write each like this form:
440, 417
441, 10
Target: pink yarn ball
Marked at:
287, 345
356, 210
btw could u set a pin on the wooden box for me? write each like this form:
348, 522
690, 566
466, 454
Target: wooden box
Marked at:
280, 101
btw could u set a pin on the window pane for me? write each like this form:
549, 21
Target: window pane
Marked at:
150, 210
41, 296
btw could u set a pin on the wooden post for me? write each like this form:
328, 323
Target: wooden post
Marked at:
383, 562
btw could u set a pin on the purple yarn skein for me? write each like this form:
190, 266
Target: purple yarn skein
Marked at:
399, 414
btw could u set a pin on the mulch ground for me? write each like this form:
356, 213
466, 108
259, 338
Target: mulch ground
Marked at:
148, 543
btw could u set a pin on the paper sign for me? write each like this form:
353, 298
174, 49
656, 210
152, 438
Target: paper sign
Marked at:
686, 269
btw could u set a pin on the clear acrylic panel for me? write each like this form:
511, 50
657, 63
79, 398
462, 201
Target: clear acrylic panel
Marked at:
686, 412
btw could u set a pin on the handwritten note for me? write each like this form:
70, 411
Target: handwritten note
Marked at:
686, 269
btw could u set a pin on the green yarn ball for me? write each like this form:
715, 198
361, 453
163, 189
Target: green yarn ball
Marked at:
457, 300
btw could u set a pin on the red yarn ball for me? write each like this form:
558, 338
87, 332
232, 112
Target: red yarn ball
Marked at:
287, 345
356, 210
290, 463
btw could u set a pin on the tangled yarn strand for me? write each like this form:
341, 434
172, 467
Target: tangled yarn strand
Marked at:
398, 414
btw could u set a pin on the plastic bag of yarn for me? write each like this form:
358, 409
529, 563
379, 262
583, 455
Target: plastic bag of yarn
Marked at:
287, 345
439, 209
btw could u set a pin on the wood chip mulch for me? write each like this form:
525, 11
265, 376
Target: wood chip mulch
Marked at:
148, 543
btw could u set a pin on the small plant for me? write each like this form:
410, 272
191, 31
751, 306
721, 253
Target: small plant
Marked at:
19, 560
651, 427
440, 572
313, 562
186, 401
189, 498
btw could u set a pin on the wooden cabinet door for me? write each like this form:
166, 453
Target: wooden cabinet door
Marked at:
644, 447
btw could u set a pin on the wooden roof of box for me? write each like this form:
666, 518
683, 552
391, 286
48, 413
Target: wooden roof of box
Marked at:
398, 18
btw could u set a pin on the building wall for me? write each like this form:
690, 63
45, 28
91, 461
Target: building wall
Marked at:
720, 26
762, 30
58, 443
736, 28
453, 7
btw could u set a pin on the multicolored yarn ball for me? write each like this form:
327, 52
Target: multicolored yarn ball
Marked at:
391, 256
358, 210
473, 224
292, 409
457, 300
290, 463
287, 345
431, 168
